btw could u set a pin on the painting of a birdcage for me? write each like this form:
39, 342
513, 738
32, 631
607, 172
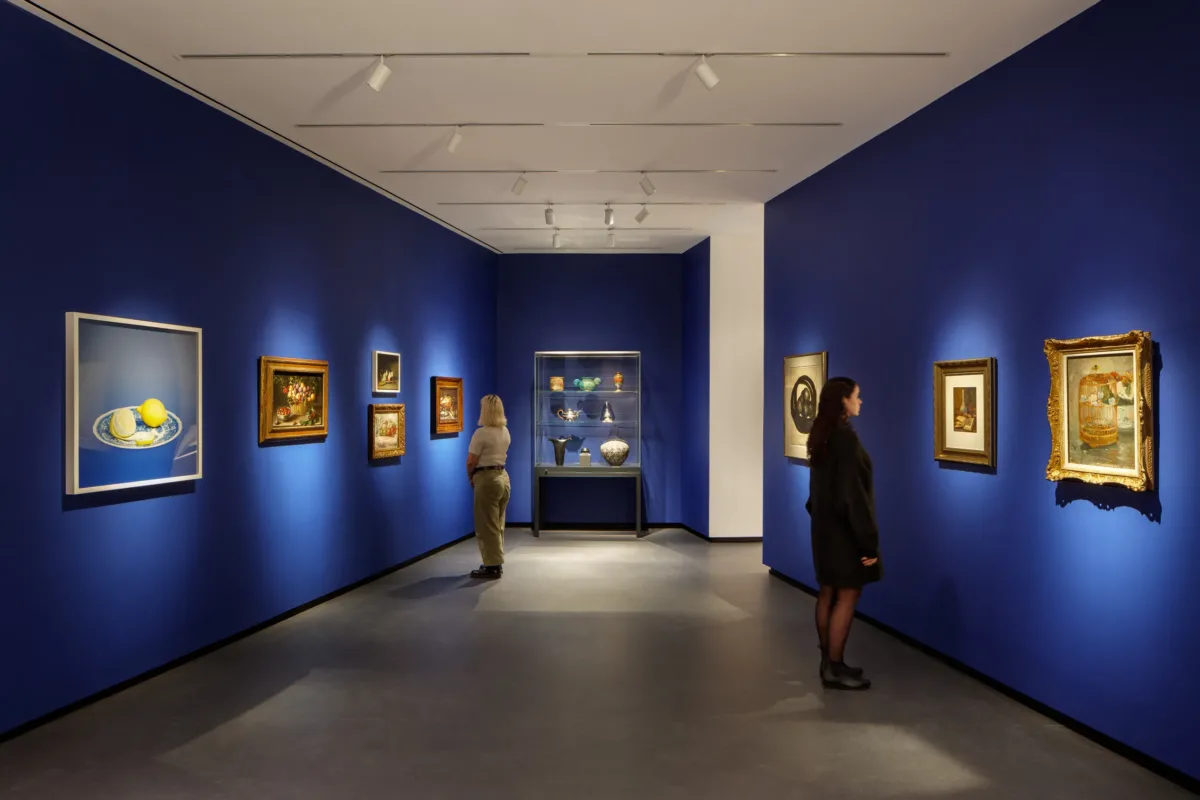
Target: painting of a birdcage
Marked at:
1100, 409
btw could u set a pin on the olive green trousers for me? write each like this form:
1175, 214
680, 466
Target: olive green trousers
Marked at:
492, 490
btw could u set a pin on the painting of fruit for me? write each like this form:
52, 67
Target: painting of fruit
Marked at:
293, 398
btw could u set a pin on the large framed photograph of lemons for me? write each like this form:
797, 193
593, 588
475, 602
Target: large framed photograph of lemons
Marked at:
133, 403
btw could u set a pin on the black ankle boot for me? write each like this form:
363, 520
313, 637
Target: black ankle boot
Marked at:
838, 676
487, 573
855, 671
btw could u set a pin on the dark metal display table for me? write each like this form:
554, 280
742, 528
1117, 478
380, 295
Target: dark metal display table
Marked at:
599, 471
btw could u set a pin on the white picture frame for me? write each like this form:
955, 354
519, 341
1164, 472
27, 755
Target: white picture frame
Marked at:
110, 363
383, 362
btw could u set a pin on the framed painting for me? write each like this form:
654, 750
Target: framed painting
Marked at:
133, 403
293, 399
1101, 410
385, 370
385, 430
964, 411
447, 405
804, 377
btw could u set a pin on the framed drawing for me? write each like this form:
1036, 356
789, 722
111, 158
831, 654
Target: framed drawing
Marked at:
964, 411
447, 405
385, 371
803, 379
133, 403
1101, 410
385, 430
293, 399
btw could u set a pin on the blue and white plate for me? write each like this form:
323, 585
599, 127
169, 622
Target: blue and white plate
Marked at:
162, 434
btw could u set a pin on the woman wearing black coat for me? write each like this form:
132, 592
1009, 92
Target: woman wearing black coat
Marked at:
845, 536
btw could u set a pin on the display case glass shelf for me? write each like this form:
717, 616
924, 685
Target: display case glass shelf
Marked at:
587, 400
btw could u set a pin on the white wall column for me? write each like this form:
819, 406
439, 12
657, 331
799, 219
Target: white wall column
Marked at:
735, 476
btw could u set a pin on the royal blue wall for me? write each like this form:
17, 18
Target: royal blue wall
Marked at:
694, 464
1056, 195
594, 302
120, 195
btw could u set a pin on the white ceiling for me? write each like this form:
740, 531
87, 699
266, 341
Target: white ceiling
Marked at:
560, 86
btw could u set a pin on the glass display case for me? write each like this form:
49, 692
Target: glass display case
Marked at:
587, 403
587, 418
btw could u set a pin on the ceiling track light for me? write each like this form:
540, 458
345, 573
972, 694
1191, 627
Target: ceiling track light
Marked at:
557, 241
549, 215
609, 216
520, 185
641, 215
612, 240
706, 75
455, 140
646, 184
379, 76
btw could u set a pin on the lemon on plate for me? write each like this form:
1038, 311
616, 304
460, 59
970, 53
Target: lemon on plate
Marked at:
153, 413
143, 439
122, 425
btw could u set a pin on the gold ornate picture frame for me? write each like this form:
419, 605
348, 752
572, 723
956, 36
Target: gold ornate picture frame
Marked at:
1101, 410
964, 411
293, 399
385, 430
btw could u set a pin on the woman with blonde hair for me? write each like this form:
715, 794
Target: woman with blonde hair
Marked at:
485, 469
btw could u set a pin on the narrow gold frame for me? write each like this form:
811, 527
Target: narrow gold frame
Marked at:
374, 410
440, 427
824, 354
267, 367
974, 366
1143, 360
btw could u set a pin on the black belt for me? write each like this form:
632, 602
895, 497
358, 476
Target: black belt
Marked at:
496, 466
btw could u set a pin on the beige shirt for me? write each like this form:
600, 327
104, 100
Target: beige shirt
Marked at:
491, 445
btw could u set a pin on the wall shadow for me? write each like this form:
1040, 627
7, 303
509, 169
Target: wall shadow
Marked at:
78, 502
1109, 498
958, 466
377, 463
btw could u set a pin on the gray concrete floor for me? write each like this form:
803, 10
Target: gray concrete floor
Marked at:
601, 666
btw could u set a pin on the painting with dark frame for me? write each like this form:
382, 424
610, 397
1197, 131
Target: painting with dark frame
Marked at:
964, 411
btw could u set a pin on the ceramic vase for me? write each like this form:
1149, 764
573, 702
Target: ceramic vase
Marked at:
608, 413
585, 457
587, 384
560, 449
618, 380
615, 451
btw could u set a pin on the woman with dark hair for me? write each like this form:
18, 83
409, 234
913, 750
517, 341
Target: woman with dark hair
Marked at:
845, 537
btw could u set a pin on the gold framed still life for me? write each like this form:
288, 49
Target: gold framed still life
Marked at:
447, 405
1101, 410
385, 430
804, 377
964, 411
293, 399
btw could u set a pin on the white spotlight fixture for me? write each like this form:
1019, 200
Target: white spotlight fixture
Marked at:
455, 140
549, 215
646, 185
557, 241
609, 217
519, 186
641, 215
379, 76
612, 240
706, 75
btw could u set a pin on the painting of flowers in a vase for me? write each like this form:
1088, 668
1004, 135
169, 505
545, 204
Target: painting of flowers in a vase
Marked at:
447, 405
293, 398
